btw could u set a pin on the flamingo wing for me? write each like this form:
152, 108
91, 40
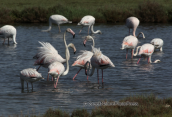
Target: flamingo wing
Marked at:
30, 72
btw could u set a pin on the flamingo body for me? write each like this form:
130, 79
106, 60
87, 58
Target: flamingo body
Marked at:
158, 43
8, 31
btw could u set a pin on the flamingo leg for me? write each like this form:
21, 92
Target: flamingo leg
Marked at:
132, 53
81, 29
77, 73
4, 41
59, 28
98, 75
38, 68
52, 79
139, 60
32, 86
126, 53
27, 85
102, 75
87, 77
48, 77
148, 59
56, 82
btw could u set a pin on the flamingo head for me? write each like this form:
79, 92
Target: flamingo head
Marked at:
87, 38
73, 47
71, 31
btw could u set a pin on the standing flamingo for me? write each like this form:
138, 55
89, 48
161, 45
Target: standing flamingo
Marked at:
84, 57
133, 22
89, 21
57, 19
8, 31
57, 69
130, 42
98, 61
158, 43
29, 75
147, 50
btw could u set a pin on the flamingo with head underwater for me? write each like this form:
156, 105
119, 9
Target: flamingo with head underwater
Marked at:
158, 43
147, 50
98, 61
8, 31
57, 19
130, 42
132, 23
89, 21
84, 57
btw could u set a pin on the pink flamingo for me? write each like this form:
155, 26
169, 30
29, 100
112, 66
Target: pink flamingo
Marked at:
147, 50
130, 42
158, 43
57, 69
29, 75
8, 31
98, 61
47, 54
132, 23
84, 57
57, 19
89, 21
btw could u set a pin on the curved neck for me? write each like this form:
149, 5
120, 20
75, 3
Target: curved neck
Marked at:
93, 44
142, 34
92, 30
136, 51
88, 69
67, 54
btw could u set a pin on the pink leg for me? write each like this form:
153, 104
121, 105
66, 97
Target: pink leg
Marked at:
126, 53
148, 60
38, 68
102, 75
98, 75
132, 53
48, 77
87, 77
138, 60
77, 73
56, 82
52, 79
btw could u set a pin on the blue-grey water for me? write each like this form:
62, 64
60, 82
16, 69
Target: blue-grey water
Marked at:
125, 79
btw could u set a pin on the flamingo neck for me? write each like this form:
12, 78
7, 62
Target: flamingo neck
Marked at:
92, 30
88, 69
142, 34
93, 44
14, 39
136, 51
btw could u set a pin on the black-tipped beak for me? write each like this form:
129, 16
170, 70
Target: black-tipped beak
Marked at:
84, 45
74, 52
74, 36
86, 72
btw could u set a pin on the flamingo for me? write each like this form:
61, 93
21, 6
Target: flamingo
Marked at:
158, 43
57, 19
147, 50
48, 54
57, 69
29, 75
98, 61
130, 42
89, 21
133, 22
84, 57
8, 31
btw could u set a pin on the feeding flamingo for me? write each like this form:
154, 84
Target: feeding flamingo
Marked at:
132, 23
158, 43
57, 69
29, 75
98, 61
84, 57
147, 50
48, 54
130, 42
57, 19
8, 31
89, 21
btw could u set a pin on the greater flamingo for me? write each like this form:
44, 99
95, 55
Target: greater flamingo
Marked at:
8, 31
158, 43
48, 54
98, 61
89, 21
57, 69
57, 19
29, 75
147, 50
84, 57
130, 42
132, 23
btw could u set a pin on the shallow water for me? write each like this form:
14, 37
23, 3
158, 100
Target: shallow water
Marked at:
127, 78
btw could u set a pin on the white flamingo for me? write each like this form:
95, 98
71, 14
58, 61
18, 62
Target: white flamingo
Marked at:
57, 69
130, 42
158, 43
132, 23
29, 75
89, 21
147, 50
84, 57
98, 61
8, 31
57, 19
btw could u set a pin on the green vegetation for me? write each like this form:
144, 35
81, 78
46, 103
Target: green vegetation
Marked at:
104, 11
148, 106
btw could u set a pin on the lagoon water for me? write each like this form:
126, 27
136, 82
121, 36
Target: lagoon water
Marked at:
126, 79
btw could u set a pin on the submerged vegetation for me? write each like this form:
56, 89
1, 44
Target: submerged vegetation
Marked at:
109, 11
148, 106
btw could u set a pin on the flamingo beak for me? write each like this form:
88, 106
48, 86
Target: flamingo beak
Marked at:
74, 36
74, 52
